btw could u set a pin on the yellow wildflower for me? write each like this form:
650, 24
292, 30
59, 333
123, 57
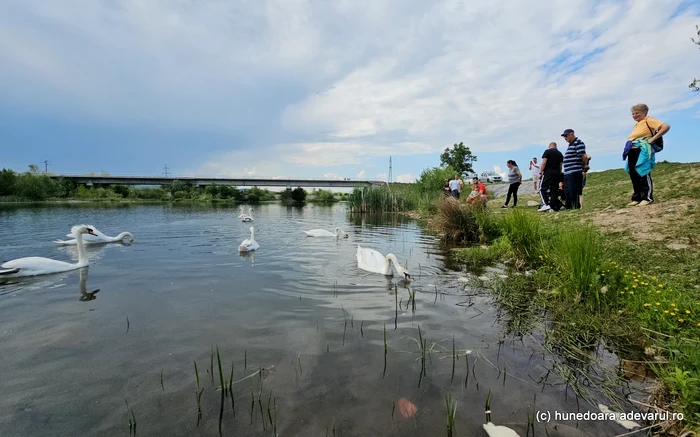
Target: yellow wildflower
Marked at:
673, 304
658, 304
687, 311
681, 320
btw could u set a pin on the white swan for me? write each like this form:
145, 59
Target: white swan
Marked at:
497, 430
35, 265
98, 238
325, 233
375, 262
242, 214
247, 217
249, 244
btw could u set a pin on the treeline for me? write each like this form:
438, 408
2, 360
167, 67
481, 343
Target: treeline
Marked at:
35, 185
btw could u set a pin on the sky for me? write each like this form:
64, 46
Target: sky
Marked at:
333, 89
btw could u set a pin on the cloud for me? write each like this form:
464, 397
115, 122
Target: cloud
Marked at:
408, 177
361, 174
312, 85
333, 176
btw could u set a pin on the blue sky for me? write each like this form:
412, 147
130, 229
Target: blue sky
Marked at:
332, 89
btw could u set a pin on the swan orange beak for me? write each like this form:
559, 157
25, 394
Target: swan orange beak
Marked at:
407, 276
347, 236
91, 232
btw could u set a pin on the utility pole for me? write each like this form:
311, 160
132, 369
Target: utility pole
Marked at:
166, 170
389, 168
46, 165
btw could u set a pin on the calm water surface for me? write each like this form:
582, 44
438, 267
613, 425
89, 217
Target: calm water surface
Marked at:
299, 308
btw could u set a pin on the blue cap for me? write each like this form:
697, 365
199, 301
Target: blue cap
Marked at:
567, 132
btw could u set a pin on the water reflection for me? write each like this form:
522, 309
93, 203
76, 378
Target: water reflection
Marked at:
82, 286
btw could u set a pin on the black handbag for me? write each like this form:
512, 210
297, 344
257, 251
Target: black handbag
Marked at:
658, 144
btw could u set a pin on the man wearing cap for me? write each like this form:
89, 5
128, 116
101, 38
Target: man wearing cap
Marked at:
575, 167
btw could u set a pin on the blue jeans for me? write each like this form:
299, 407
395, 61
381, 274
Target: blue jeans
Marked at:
455, 193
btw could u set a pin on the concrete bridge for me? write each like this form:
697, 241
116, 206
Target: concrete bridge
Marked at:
91, 180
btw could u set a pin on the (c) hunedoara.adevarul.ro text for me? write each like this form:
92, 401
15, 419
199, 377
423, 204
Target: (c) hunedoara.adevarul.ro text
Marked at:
547, 416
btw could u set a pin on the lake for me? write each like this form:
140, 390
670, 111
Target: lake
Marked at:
303, 327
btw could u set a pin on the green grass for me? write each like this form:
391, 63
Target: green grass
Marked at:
599, 278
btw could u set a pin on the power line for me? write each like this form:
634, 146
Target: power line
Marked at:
166, 170
46, 165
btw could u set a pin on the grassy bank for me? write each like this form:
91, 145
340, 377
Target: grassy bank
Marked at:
625, 276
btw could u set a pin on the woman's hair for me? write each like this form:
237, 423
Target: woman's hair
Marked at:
641, 107
511, 162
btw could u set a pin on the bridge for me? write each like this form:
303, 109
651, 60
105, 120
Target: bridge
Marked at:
91, 180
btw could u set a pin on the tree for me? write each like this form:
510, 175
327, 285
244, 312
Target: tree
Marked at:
7, 182
299, 195
695, 84
460, 158
431, 180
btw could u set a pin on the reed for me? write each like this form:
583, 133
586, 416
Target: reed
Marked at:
386, 351
379, 200
454, 359
161, 380
451, 405
132, 419
198, 393
127, 325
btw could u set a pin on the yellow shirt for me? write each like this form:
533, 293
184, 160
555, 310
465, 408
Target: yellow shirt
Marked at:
641, 129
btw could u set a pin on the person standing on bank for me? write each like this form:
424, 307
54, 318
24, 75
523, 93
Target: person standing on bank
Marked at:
574, 163
642, 144
456, 186
550, 172
535, 168
515, 178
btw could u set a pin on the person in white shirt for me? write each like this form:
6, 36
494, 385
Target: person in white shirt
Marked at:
535, 167
456, 186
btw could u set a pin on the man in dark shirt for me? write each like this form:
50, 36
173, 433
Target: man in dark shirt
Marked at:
549, 174
575, 159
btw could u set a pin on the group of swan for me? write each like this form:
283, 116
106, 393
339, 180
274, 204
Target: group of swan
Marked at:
367, 259
246, 217
36, 265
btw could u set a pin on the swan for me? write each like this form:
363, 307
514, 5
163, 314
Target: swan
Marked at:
375, 262
99, 238
242, 214
325, 233
35, 265
497, 430
247, 217
249, 244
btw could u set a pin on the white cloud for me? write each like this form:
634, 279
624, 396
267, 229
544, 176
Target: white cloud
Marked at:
382, 176
502, 173
323, 84
361, 174
333, 176
408, 177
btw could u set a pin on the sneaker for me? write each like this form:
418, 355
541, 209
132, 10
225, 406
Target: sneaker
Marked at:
544, 208
645, 202
504, 206
633, 203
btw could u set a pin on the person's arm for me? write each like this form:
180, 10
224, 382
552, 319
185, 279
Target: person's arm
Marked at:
520, 176
530, 166
661, 132
544, 163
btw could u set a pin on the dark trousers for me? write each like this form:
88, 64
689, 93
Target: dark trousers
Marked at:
573, 187
642, 185
455, 193
513, 190
549, 188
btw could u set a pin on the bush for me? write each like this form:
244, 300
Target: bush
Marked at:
298, 195
577, 258
524, 233
8, 178
457, 220
326, 196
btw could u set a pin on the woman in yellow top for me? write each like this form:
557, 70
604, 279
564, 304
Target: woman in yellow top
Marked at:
649, 129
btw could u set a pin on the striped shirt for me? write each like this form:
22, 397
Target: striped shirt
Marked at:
572, 157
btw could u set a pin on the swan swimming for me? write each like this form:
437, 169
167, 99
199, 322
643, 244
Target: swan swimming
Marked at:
98, 237
247, 217
375, 262
35, 265
325, 233
249, 244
